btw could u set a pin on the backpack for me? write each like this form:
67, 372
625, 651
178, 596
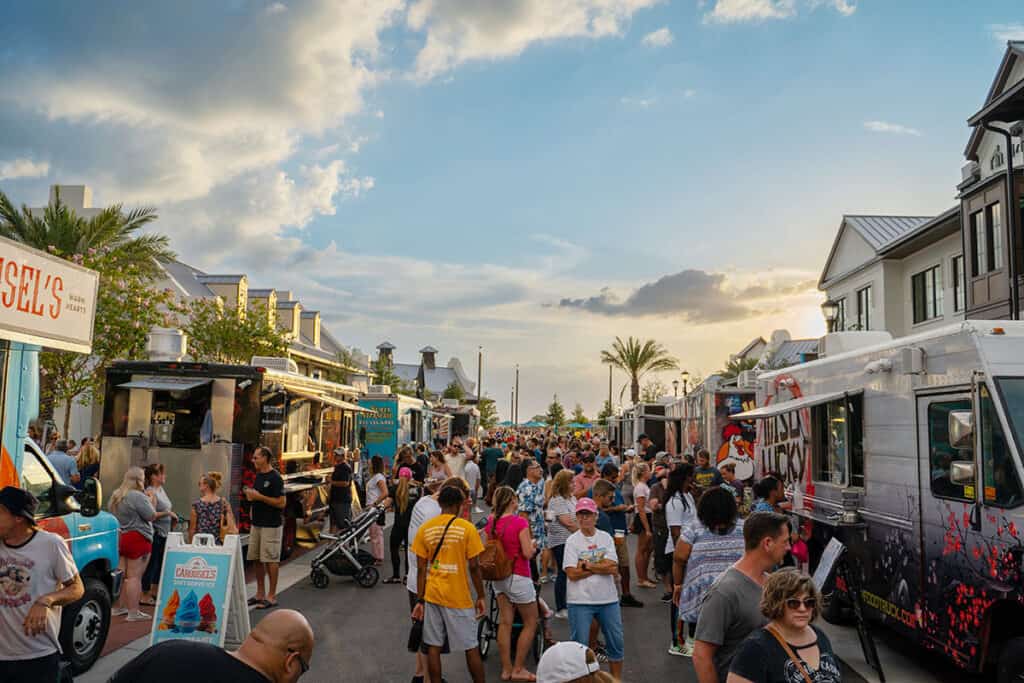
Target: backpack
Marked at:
495, 564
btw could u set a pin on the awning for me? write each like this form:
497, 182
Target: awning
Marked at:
167, 383
329, 400
774, 409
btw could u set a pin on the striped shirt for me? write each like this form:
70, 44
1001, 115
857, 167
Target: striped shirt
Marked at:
711, 555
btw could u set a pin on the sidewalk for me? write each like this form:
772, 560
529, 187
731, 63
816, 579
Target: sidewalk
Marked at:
897, 667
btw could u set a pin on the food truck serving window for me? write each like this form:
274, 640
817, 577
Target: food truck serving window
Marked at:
838, 447
1001, 485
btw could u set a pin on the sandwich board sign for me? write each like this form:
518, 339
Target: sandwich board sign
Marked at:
202, 593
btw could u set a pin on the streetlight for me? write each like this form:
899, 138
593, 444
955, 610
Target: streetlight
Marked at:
686, 381
675, 388
830, 309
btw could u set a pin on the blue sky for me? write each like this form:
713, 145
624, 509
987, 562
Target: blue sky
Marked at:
447, 172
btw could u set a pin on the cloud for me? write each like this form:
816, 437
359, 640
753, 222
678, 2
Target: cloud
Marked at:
689, 92
893, 128
23, 168
642, 102
660, 38
695, 295
460, 31
738, 11
1006, 32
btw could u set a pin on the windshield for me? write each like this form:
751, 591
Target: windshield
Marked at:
1012, 391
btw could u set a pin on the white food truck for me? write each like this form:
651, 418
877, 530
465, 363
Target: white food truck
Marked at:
909, 451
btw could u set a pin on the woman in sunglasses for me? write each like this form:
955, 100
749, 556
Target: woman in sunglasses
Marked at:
789, 649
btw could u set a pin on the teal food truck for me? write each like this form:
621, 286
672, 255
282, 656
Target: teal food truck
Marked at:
47, 301
395, 420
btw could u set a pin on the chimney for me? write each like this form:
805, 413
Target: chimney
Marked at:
384, 354
166, 344
75, 197
310, 326
427, 357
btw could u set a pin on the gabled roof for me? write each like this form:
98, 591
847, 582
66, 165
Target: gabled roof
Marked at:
750, 347
309, 314
407, 372
260, 293
1014, 51
386, 346
881, 231
795, 351
428, 349
186, 279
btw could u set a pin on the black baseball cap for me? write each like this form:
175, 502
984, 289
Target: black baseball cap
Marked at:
642, 437
19, 502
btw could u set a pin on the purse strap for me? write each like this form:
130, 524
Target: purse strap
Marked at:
789, 652
441, 542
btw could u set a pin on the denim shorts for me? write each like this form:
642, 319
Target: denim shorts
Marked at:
609, 617
518, 589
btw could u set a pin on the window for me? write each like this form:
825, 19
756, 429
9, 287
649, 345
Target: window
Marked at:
864, 308
1001, 485
178, 417
994, 236
297, 437
840, 323
941, 452
838, 442
979, 251
927, 294
36, 479
958, 283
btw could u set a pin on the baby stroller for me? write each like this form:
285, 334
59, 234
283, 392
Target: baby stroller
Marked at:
343, 556
487, 629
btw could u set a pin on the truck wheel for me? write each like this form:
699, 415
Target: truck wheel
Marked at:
836, 610
1011, 661
84, 626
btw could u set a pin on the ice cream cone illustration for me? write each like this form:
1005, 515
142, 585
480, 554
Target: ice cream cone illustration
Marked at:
207, 614
187, 618
170, 611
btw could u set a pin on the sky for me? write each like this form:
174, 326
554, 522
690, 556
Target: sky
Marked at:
534, 177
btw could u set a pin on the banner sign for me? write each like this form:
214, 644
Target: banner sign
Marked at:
380, 427
45, 300
199, 595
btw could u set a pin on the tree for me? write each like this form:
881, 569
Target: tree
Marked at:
218, 334
127, 304
556, 413
453, 390
385, 374
578, 415
653, 390
737, 365
539, 418
343, 375
488, 413
606, 412
636, 358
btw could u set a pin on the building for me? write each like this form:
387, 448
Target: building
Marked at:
991, 234
901, 274
426, 374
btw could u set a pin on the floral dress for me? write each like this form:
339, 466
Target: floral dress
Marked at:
531, 503
208, 517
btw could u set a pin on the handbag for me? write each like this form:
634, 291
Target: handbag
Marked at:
416, 632
495, 564
797, 662
227, 526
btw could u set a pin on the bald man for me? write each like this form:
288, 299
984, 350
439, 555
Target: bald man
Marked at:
278, 650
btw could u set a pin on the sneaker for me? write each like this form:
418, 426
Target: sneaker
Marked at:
629, 601
562, 614
118, 611
544, 578
138, 616
677, 651
666, 597
688, 649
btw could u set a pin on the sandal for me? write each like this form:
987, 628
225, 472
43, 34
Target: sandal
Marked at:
266, 604
255, 602
393, 579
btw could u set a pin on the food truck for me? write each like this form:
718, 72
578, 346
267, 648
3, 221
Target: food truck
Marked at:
198, 417
642, 418
463, 420
702, 419
909, 452
49, 302
391, 420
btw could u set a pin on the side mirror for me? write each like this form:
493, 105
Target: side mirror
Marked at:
961, 472
961, 429
64, 498
90, 497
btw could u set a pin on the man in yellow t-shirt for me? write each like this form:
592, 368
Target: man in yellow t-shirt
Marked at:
444, 602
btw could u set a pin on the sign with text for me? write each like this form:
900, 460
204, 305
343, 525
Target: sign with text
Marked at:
45, 300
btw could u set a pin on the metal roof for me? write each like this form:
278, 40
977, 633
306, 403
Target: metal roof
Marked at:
187, 279
881, 231
428, 349
386, 346
232, 279
795, 351
256, 293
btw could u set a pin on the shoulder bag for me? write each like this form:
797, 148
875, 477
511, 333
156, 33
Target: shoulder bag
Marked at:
797, 662
495, 564
416, 632
227, 526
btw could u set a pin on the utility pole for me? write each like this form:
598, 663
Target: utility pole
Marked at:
609, 391
479, 375
516, 418
511, 406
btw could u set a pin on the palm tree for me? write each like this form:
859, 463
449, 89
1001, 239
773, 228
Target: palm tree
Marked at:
636, 358
737, 365
60, 231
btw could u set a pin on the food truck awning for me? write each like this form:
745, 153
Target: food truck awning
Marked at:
329, 400
774, 409
166, 383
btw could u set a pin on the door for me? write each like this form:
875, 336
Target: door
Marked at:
969, 546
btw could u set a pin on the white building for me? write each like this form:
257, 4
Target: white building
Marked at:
901, 274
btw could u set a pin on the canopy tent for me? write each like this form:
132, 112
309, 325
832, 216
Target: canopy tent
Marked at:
505, 423
534, 424
579, 425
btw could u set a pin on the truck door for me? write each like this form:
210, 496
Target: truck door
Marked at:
969, 547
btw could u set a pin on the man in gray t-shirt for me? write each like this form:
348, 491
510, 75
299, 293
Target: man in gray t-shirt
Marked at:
731, 610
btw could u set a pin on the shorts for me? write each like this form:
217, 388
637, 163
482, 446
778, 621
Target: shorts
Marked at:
638, 526
608, 616
622, 550
33, 670
518, 589
264, 544
457, 625
133, 545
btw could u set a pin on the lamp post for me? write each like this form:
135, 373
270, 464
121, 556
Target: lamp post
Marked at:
830, 309
675, 388
686, 382
479, 375
516, 412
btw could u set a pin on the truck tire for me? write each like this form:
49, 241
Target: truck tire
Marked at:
836, 610
1011, 661
84, 626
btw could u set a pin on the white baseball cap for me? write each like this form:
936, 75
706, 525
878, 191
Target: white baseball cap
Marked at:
563, 662
630, 452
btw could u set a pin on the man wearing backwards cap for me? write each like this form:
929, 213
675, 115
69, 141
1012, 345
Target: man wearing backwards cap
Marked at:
570, 662
37, 577
590, 563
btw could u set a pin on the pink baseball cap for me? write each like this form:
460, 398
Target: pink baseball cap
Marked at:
404, 473
586, 505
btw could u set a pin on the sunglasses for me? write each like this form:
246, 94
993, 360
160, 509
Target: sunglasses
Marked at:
302, 662
806, 603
